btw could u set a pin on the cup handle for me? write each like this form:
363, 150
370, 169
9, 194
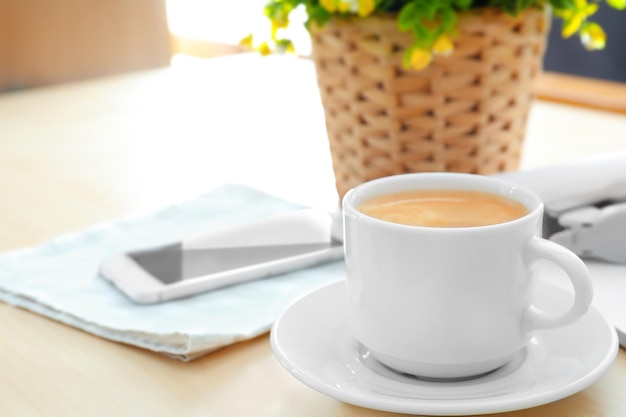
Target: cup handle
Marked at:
535, 319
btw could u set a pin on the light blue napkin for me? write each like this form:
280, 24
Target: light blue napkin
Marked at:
59, 279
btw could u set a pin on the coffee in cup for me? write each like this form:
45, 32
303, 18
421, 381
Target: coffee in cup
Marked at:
449, 301
443, 208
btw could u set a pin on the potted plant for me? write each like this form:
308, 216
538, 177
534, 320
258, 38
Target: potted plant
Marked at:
428, 85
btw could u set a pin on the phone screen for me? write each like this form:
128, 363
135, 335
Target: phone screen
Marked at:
172, 263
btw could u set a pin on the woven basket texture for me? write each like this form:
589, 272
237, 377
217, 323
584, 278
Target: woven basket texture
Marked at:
464, 113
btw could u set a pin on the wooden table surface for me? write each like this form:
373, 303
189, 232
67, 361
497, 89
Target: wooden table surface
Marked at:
84, 153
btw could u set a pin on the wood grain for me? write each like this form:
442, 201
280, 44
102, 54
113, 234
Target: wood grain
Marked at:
582, 91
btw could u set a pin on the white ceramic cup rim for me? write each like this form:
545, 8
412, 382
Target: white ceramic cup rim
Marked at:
439, 180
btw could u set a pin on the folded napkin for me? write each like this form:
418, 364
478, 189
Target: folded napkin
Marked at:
59, 279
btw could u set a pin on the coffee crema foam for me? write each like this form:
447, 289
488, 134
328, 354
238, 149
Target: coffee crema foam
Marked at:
443, 208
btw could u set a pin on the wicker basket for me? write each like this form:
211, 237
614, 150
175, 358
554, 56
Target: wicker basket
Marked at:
465, 112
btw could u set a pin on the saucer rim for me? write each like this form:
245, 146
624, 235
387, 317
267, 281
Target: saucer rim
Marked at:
472, 406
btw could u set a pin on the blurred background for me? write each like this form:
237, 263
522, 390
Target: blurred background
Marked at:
53, 41
569, 57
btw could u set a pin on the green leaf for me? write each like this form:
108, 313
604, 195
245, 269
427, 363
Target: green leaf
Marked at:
448, 19
317, 14
406, 58
409, 16
277, 9
428, 9
424, 37
562, 4
463, 4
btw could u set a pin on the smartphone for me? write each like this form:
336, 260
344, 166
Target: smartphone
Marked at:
224, 257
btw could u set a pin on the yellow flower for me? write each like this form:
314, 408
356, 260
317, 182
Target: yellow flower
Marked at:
443, 46
264, 49
290, 48
329, 5
366, 7
617, 4
361, 7
592, 36
247, 41
345, 6
278, 24
573, 18
419, 58
572, 25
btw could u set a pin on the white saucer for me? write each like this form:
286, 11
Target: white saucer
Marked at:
312, 342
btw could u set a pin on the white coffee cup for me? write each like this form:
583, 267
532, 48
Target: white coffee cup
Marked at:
450, 302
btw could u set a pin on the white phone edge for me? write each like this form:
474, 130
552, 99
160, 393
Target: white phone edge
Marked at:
143, 288
292, 227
